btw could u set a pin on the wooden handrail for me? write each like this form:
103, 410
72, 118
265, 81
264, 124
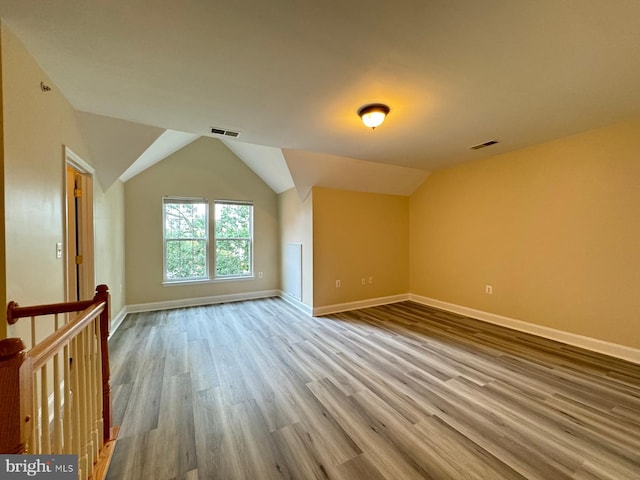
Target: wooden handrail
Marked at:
46, 349
15, 311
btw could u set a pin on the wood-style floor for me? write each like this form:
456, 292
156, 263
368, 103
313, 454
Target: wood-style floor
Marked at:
258, 390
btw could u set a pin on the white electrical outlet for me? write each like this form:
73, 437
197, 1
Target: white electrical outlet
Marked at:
370, 280
488, 289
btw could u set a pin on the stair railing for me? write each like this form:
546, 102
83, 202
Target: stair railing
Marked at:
55, 397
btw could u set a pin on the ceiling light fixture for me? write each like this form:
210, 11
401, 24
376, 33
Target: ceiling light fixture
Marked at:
373, 115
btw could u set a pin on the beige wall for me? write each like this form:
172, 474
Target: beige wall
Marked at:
296, 226
37, 126
204, 168
109, 242
358, 235
554, 228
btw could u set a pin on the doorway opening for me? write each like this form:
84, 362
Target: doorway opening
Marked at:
80, 277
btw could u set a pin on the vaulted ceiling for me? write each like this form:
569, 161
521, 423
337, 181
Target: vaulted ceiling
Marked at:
290, 76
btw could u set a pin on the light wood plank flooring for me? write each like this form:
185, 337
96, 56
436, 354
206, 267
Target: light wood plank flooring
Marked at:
258, 390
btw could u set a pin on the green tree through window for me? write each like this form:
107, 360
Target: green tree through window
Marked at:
185, 238
233, 239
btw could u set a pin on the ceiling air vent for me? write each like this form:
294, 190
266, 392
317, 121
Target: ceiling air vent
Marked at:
483, 145
226, 133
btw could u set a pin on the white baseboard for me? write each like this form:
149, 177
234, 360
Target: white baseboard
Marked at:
370, 302
117, 320
612, 349
198, 301
303, 307
615, 350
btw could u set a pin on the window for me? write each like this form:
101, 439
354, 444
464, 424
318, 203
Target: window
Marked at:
186, 239
185, 232
233, 239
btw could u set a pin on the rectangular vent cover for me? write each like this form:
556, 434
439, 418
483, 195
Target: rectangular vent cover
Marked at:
483, 145
226, 133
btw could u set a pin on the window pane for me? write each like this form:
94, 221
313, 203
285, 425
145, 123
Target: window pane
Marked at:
185, 220
186, 259
233, 231
233, 257
233, 220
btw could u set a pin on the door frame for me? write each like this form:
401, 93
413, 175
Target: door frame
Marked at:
86, 233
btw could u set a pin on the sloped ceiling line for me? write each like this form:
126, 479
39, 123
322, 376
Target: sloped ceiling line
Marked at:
293, 74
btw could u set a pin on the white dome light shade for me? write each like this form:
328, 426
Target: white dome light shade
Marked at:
373, 115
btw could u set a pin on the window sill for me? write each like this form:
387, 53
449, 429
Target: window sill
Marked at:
201, 281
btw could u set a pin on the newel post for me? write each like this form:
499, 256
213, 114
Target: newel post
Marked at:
11, 357
102, 295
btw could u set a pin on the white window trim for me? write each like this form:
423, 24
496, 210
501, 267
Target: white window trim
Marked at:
177, 283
